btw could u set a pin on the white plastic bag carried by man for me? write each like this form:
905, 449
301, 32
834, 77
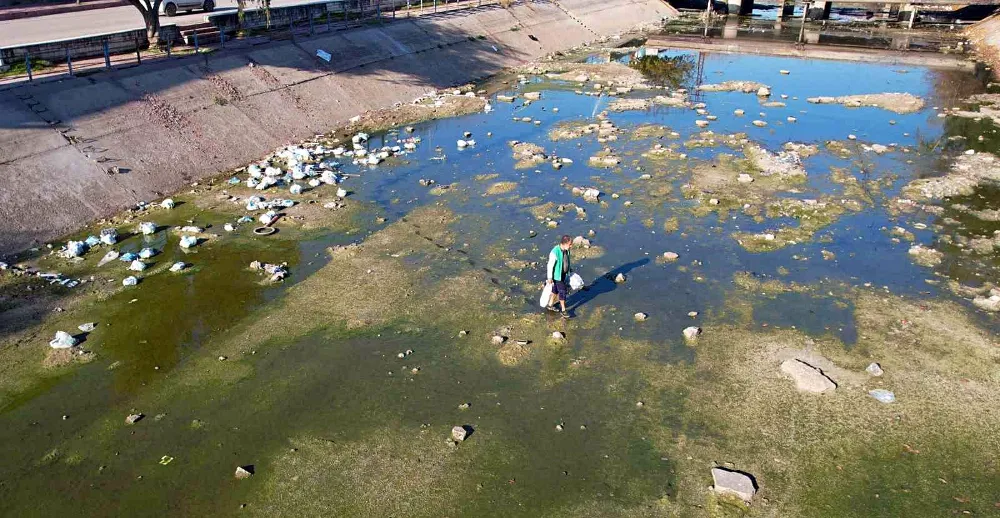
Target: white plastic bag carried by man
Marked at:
575, 283
546, 297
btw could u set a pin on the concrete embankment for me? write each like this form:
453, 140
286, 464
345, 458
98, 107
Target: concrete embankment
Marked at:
167, 124
985, 37
779, 48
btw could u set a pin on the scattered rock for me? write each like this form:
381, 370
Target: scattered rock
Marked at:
558, 335
459, 433
498, 340
640, 316
690, 333
133, 418
670, 256
807, 378
925, 256
894, 102
874, 369
620, 278
735, 86
243, 473
991, 303
732, 482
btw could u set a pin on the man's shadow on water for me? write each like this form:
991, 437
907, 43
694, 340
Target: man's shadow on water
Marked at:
604, 284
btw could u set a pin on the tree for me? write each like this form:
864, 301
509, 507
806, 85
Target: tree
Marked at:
262, 4
151, 16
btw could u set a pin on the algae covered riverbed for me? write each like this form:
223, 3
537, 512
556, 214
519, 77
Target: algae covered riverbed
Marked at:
835, 233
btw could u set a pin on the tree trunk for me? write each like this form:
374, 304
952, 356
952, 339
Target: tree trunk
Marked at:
152, 19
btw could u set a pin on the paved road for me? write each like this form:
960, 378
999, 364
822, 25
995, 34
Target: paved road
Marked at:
112, 19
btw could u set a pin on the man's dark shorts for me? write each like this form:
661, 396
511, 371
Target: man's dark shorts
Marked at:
559, 287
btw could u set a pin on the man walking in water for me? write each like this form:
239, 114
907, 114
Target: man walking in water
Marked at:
558, 272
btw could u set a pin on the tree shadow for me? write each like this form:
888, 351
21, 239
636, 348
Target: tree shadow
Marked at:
604, 284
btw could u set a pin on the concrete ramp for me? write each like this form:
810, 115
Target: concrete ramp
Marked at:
168, 123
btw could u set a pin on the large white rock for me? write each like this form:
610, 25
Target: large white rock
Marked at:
731, 482
807, 378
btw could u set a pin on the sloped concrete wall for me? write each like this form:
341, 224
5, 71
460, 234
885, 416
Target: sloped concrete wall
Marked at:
163, 123
985, 36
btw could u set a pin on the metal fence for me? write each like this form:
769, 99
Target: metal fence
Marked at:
74, 61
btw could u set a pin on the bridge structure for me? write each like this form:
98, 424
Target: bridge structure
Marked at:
820, 9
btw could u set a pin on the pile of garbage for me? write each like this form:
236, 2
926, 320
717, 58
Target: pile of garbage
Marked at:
277, 272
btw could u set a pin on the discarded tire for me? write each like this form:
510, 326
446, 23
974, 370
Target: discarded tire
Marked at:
264, 231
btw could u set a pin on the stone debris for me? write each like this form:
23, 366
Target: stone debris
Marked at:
991, 303
759, 123
243, 473
276, 272
894, 102
557, 335
670, 256
925, 256
692, 332
641, 317
88, 327
735, 483
967, 173
874, 369
785, 164
459, 433
620, 278
807, 378
747, 87
133, 418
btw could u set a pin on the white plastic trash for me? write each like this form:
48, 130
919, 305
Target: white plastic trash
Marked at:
188, 241
75, 248
885, 396
543, 301
575, 281
137, 266
108, 257
63, 340
268, 217
109, 236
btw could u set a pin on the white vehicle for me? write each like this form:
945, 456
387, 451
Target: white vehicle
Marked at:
170, 7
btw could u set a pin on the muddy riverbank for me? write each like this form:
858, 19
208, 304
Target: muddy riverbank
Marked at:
789, 268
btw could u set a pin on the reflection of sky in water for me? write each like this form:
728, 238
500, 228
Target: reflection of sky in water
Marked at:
864, 251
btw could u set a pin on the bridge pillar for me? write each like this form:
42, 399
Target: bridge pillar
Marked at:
893, 13
908, 14
786, 9
819, 11
731, 29
740, 7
